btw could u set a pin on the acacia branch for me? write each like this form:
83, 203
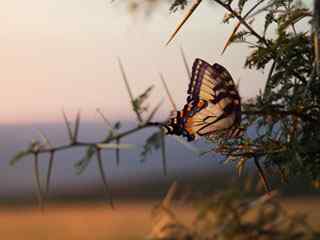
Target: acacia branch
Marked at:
95, 144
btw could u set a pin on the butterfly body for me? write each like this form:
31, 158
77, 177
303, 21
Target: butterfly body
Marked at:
213, 104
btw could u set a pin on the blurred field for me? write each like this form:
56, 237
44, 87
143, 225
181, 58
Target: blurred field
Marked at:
130, 220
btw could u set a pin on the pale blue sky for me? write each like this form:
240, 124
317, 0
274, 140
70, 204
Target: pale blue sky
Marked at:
62, 54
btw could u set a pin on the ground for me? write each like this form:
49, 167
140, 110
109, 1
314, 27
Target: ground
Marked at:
130, 220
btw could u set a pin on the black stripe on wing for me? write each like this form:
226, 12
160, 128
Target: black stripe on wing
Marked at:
201, 75
225, 113
209, 81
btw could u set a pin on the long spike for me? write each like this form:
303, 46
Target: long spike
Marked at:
66, 121
105, 119
118, 152
125, 79
104, 179
49, 173
38, 184
76, 127
163, 152
226, 45
186, 17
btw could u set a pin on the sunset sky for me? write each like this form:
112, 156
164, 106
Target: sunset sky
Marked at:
63, 54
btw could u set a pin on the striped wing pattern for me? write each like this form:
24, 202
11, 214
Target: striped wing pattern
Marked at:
213, 104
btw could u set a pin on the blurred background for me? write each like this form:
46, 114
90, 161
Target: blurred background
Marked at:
63, 55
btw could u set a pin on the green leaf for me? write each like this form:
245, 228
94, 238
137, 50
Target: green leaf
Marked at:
19, 155
140, 100
84, 162
153, 142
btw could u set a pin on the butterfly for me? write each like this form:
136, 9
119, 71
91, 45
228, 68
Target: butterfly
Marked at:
213, 105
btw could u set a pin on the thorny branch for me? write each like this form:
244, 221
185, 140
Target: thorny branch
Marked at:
111, 141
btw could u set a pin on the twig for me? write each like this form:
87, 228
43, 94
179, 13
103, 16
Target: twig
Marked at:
94, 144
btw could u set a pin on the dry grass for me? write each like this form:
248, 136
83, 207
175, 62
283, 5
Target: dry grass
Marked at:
98, 221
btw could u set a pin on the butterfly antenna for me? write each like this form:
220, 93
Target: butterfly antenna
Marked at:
185, 62
186, 17
173, 104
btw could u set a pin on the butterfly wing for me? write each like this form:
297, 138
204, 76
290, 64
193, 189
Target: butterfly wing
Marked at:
213, 104
213, 85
